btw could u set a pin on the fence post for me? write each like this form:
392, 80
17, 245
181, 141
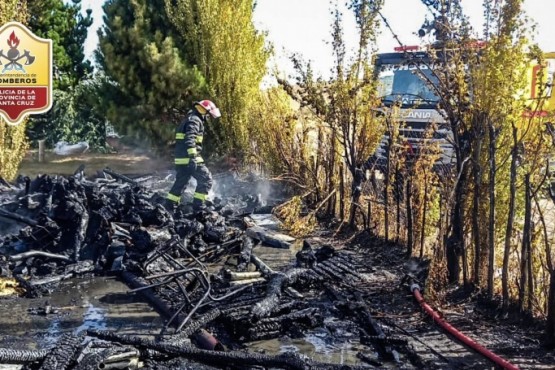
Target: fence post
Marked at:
41, 150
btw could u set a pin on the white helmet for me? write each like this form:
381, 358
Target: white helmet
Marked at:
206, 106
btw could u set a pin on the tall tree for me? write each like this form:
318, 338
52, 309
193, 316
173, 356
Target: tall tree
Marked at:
220, 38
350, 131
63, 23
67, 27
13, 142
151, 85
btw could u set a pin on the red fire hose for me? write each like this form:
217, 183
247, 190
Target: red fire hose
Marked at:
458, 335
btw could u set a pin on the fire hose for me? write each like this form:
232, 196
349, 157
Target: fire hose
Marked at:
415, 289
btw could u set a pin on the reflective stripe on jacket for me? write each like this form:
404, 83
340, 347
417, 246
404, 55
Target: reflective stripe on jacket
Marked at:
188, 138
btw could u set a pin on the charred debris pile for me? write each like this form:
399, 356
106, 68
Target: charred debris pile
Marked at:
198, 270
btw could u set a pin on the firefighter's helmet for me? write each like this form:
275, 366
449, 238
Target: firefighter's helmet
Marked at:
206, 106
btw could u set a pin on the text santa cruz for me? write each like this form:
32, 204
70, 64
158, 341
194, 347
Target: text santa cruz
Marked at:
13, 97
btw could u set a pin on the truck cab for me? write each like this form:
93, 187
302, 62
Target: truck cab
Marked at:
405, 81
408, 99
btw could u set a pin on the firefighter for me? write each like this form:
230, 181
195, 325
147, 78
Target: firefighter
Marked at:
188, 161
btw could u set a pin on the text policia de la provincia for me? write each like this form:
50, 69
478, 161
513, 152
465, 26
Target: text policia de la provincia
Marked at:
10, 97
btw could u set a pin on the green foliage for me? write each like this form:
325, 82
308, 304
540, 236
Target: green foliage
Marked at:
220, 38
150, 85
13, 141
76, 115
64, 24
344, 128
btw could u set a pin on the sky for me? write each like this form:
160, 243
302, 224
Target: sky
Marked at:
303, 26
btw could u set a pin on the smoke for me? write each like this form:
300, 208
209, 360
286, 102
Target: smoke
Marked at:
231, 185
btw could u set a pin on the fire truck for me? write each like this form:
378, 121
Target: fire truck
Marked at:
404, 79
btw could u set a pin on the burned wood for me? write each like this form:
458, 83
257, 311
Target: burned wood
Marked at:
200, 322
278, 282
270, 238
339, 266
63, 355
322, 273
235, 283
376, 331
25, 255
242, 275
15, 356
334, 273
261, 266
121, 356
120, 176
18, 218
51, 279
162, 307
245, 302
176, 364
237, 358
294, 293
264, 334
268, 327
245, 255
369, 360
130, 364
387, 340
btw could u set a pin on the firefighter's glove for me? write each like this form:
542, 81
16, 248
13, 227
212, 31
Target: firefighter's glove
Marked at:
192, 164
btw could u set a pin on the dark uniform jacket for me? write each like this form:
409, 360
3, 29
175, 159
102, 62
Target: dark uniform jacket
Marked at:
188, 138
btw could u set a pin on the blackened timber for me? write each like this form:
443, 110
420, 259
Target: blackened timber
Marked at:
321, 272
337, 275
18, 218
348, 274
120, 176
238, 358
375, 329
243, 275
51, 279
261, 266
24, 255
308, 317
264, 335
272, 239
245, 300
61, 357
245, 255
340, 266
16, 356
277, 283
197, 324
162, 307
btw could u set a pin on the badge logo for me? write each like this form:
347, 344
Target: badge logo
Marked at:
25, 73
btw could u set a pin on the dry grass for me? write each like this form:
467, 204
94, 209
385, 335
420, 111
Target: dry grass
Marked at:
127, 163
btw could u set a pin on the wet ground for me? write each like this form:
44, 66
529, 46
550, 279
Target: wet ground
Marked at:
103, 303
81, 304
320, 344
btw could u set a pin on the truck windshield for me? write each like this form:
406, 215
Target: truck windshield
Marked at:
406, 85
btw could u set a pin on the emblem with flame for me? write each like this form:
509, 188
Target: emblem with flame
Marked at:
14, 56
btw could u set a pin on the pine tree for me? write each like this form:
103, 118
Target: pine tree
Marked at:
67, 27
151, 84
64, 24
220, 38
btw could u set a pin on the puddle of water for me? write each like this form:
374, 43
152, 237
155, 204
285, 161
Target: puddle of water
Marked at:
93, 318
97, 303
317, 344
